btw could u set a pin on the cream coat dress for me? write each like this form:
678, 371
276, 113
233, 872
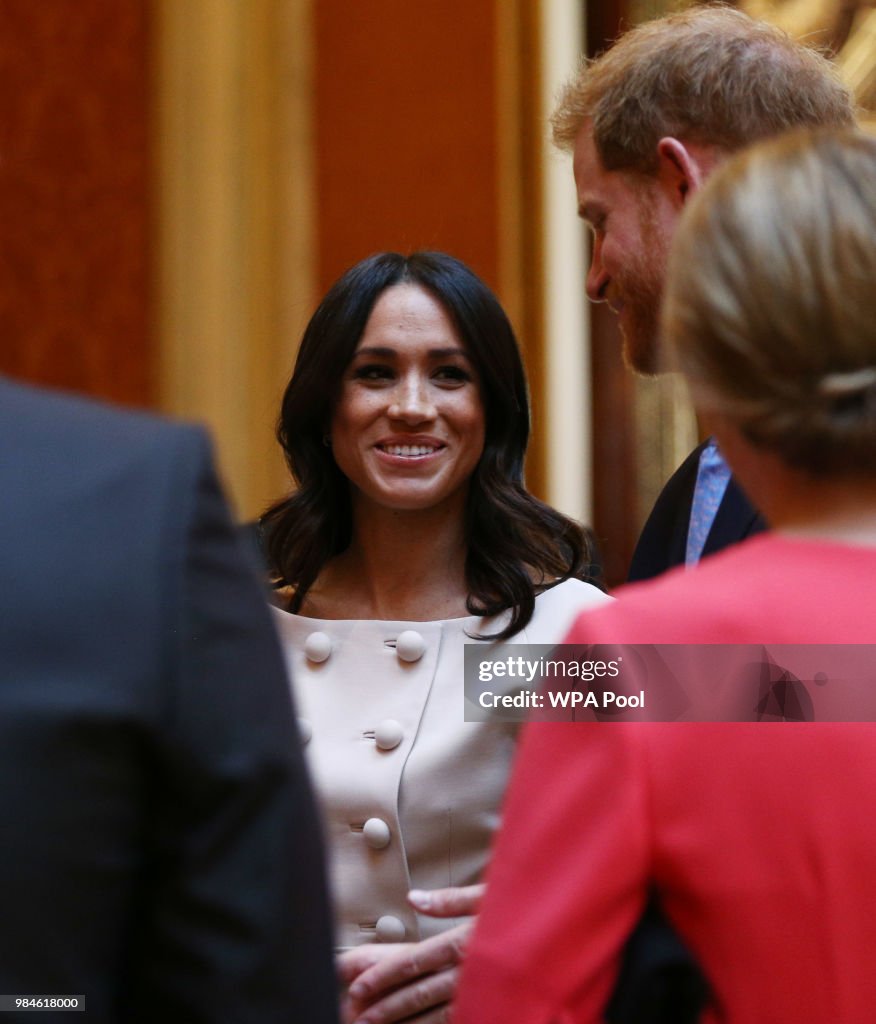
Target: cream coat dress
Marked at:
410, 792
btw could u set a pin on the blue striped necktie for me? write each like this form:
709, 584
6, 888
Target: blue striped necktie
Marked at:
713, 475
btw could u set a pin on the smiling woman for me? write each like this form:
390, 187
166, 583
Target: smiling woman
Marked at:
408, 427
405, 425
396, 351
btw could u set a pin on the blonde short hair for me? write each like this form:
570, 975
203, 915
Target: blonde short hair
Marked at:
708, 75
770, 307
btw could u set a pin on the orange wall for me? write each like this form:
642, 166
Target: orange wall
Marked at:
405, 156
405, 124
74, 183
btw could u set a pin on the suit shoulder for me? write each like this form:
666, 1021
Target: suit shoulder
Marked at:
57, 427
662, 541
682, 481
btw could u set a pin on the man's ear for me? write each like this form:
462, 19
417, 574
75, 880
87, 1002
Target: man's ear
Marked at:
681, 169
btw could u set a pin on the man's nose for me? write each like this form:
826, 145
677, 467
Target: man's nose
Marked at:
597, 278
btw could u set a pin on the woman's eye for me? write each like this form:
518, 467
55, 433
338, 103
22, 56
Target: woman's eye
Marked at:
454, 374
371, 371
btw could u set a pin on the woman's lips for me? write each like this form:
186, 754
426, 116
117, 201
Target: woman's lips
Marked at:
410, 448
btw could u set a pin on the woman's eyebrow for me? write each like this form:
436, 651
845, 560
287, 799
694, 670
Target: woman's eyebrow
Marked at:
375, 350
387, 353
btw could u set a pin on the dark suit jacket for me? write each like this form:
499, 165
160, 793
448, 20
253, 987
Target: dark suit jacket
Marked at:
663, 539
159, 851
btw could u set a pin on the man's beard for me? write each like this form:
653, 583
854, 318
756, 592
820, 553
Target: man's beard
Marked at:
640, 322
640, 291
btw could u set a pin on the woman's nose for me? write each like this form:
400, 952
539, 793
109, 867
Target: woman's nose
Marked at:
411, 400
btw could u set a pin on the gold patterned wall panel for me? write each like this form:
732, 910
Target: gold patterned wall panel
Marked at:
75, 195
235, 206
406, 136
845, 29
425, 138
296, 138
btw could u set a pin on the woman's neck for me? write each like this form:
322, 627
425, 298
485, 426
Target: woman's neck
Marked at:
838, 510
406, 565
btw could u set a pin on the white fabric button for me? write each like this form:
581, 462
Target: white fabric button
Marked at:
305, 729
377, 834
410, 645
389, 734
390, 929
318, 647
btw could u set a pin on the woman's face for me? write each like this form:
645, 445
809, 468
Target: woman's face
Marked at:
408, 427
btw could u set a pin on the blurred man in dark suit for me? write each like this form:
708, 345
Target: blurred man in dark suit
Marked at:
159, 851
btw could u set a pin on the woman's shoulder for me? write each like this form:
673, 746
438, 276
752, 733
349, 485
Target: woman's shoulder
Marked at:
557, 608
573, 592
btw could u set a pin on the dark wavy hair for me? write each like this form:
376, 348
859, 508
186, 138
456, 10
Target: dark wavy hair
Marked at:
512, 537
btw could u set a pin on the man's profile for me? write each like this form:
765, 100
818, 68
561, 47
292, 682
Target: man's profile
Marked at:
646, 123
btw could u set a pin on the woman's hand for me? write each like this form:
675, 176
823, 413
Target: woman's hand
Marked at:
411, 981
